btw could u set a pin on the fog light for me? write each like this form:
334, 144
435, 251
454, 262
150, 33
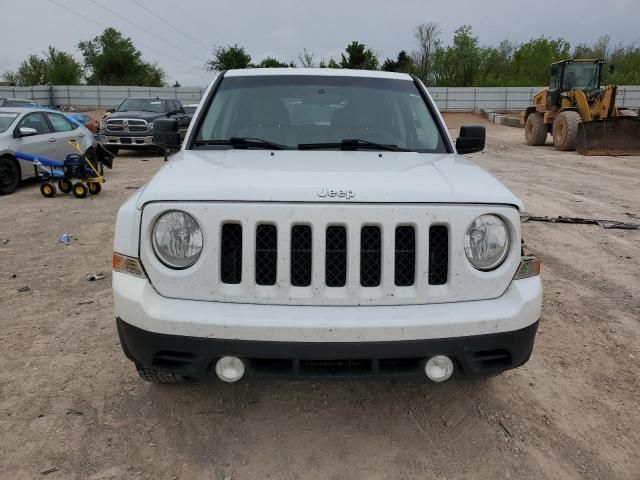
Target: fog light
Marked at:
439, 368
230, 369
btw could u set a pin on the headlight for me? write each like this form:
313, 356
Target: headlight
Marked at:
103, 124
150, 126
487, 242
177, 239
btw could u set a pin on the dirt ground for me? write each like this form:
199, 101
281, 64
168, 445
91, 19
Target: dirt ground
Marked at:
72, 406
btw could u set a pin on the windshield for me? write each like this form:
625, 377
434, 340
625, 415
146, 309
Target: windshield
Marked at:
581, 76
302, 110
6, 119
15, 102
143, 105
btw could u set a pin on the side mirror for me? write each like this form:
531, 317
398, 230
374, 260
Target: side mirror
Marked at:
471, 139
111, 110
166, 133
26, 132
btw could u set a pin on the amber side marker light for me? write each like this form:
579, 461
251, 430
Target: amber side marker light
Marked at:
529, 267
129, 265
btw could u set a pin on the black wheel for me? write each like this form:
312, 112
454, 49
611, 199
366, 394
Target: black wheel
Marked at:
535, 131
65, 185
94, 188
112, 150
565, 130
158, 376
80, 190
9, 175
48, 189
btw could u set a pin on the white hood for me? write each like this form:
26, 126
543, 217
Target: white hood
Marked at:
299, 176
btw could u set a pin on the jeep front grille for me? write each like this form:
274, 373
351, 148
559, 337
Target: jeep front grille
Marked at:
127, 125
330, 254
336, 253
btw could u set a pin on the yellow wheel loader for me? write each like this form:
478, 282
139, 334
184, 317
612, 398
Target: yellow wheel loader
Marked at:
580, 114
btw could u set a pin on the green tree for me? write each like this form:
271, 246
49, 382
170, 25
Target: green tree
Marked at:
330, 64
496, 65
112, 59
55, 67
271, 62
626, 61
531, 60
458, 65
359, 57
62, 68
229, 58
600, 49
32, 71
404, 64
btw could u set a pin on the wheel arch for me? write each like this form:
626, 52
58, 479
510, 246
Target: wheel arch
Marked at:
528, 112
569, 109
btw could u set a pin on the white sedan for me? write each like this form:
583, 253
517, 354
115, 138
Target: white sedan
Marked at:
39, 132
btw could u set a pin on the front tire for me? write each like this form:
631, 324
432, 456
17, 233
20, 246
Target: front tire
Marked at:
80, 190
48, 189
94, 188
535, 131
9, 175
64, 185
565, 130
158, 376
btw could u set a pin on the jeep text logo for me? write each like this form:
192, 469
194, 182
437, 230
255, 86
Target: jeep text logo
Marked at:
342, 193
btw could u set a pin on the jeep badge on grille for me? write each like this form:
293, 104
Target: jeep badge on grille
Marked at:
341, 193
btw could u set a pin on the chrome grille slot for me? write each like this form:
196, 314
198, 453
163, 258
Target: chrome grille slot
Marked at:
115, 126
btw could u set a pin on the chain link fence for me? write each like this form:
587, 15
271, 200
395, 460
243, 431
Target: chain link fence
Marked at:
448, 99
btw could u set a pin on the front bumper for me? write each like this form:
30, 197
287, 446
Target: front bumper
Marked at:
126, 140
186, 336
194, 357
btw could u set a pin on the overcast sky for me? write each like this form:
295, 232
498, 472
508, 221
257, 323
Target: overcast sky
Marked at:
282, 28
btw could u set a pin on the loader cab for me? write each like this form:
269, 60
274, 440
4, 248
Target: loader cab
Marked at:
582, 74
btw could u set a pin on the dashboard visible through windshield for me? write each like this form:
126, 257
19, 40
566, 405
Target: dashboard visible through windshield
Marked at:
296, 111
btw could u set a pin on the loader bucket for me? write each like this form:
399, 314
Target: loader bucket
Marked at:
614, 136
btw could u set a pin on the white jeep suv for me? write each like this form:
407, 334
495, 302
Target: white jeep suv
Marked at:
321, 222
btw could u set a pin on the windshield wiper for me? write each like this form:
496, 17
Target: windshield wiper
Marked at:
352, 144
243, 142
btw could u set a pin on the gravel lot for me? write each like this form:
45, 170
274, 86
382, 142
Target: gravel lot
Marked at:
72, 406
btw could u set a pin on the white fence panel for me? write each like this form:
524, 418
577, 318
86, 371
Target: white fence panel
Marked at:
448, 99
